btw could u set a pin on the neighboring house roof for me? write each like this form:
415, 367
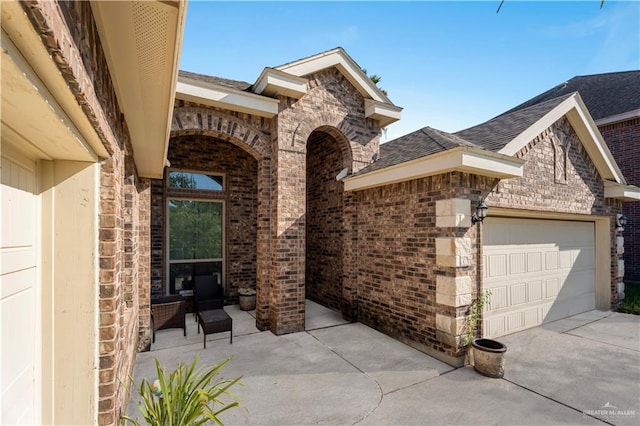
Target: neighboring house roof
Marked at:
219, 81
605, 95
496, 133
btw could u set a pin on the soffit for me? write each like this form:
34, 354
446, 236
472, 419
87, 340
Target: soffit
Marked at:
142, 41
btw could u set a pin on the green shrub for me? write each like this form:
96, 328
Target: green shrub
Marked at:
474, 315
631, 302
184, 396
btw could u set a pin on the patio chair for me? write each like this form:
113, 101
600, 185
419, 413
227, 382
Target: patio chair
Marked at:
168, 312
207, 294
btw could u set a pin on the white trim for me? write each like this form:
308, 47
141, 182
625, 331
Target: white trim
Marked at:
621, 192
578, 115
273, 82
227, 98
340, 59
465, 159
629, 115
383, 112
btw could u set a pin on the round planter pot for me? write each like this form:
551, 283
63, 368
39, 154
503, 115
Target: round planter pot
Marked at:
488, 357
247, 303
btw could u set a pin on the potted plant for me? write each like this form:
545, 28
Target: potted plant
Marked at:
486, 355
247, 298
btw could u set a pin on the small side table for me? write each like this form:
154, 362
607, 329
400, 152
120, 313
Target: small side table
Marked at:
215, 321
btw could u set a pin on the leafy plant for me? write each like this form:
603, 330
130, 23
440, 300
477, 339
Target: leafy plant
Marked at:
631, 302
184, 396
474, 315
246, 291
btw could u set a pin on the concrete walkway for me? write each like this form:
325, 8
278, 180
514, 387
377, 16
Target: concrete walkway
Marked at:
580, 370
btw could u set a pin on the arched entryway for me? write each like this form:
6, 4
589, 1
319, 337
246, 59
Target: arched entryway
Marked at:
327, 156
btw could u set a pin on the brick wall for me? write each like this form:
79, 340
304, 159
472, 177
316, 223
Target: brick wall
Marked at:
206, 154
70, 35
324, 229
623, 139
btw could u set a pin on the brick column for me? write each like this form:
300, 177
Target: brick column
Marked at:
349, 258
286, 304
263, 255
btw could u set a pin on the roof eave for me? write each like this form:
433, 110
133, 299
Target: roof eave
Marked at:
273, 82
385, 113
143, 53
625, 193
226, 98
464, 159
629, 115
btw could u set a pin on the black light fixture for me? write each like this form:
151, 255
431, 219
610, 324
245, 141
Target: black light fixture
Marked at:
480, 214
621, 220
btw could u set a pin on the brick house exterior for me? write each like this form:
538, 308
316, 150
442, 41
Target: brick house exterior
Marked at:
313, 205
391, 244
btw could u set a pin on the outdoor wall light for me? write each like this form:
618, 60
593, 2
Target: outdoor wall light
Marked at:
480, 214
621, 220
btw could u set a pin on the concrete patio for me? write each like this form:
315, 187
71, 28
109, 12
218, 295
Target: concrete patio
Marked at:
581, 370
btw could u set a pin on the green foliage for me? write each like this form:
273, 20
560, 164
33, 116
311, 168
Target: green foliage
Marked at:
474, 316
631, 302
195, 229
184, 396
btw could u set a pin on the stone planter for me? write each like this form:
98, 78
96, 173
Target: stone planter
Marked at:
488, 357
247, 303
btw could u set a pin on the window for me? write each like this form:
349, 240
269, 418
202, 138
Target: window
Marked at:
195, 241
179, 179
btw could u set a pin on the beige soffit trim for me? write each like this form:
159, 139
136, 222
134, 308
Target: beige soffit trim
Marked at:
346, 65
464, 159
273, 82
578, 115
19, 29
31, 116
385, 113
142, 42
621, 192
629, 115
225, 97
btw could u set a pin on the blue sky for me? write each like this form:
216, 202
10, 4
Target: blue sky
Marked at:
450, 65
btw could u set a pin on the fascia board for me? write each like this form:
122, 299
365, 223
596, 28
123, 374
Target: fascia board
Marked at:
625, 193
337, 58
385, 113
593, 142
585, 128
538, 127
629, 115
274, 82
226, 98
464, 159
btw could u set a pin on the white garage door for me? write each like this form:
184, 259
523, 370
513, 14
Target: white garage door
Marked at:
18, 294
537, 271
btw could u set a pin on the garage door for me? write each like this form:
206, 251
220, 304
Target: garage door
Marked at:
18, 294
537, 270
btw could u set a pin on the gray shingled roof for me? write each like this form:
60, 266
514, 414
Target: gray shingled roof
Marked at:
225, 82
494, 134
603, 94
420, 143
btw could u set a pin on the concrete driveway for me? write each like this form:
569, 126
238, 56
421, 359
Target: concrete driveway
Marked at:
580, 370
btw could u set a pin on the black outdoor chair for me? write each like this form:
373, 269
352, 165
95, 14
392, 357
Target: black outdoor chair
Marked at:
207, 294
